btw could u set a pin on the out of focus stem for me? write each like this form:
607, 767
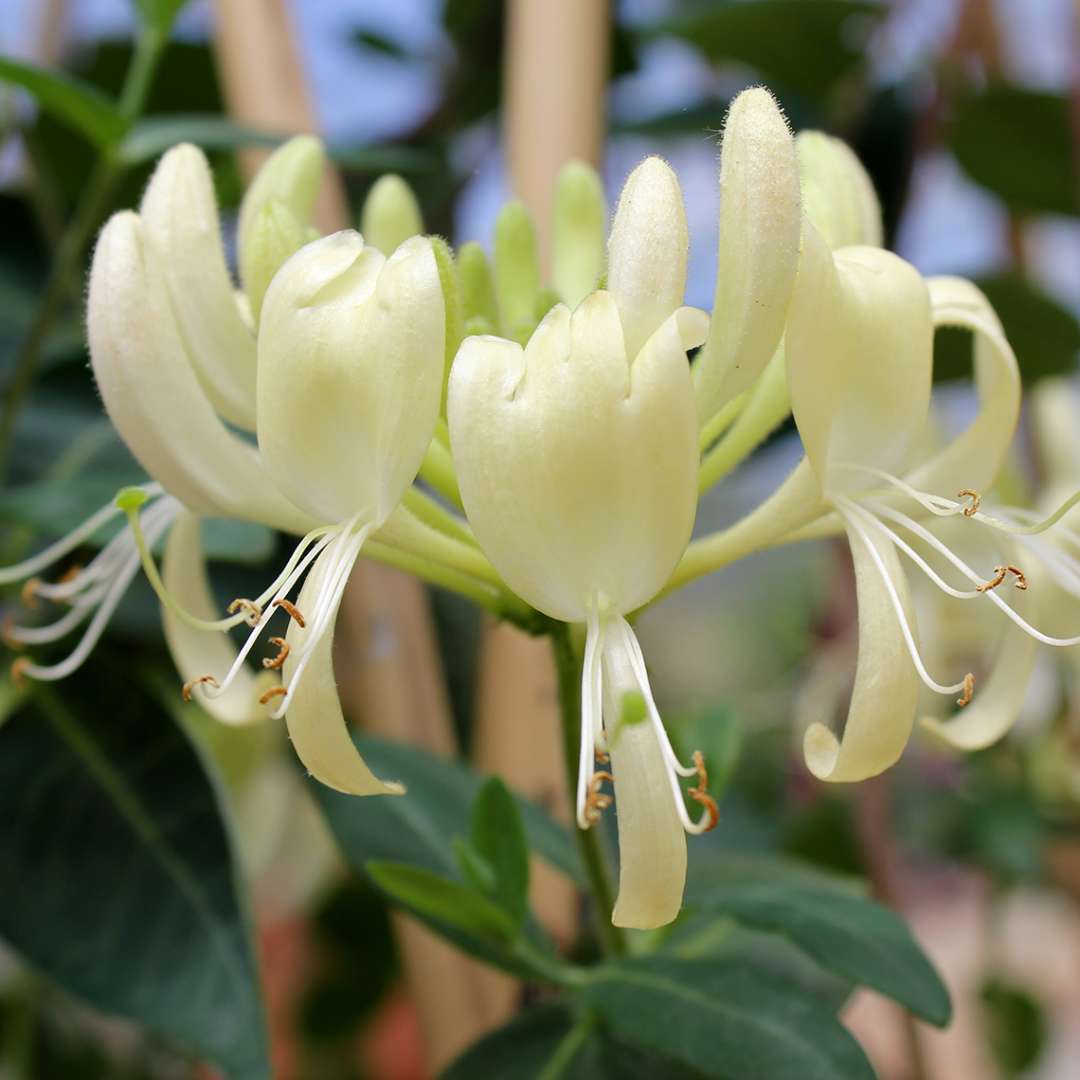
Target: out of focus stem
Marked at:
76, 237
568, 668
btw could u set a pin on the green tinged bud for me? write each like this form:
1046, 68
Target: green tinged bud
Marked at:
290, 177
448, 281
274, 235
580, 225
517, 272
478, 307
391, 214
838, 196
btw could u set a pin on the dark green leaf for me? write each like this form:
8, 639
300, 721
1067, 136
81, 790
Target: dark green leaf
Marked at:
498, 835
1044, 335
857, 938
118, 869
474, 868
420, 827
802, 45
79, 104
709, 871
726, 1020
1019, 144
1014, 1024
441, 899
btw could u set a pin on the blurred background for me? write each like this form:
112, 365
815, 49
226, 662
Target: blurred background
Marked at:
967, 115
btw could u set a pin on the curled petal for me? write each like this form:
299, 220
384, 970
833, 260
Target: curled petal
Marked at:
859, 352
314, 718
196, 652
180, 219
973, 458
760, 220
884, 699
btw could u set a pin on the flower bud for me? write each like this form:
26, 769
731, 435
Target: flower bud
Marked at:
391, 214
838, 195
350, 374
479, 311
274, 234
579, 221
517, 272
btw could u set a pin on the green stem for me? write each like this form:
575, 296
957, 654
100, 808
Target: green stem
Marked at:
569, 1047
568, 667
76, 238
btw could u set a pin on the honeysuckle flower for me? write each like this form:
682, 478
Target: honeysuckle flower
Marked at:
577, 460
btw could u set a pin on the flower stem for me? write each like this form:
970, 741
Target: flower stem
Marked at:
568, 666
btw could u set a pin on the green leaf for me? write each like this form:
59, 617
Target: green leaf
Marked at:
78, 104
806, 46
850, 935
119, 872
498, 835
729, 1021
548, 1043
442, 900
1044, 335
420, 828
159, 14
1019, 144
1015, 1025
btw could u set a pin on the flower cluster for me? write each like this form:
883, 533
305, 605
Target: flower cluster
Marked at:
361, 392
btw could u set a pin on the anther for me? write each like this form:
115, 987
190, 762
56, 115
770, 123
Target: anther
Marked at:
602, 756
252, 611
597, 801
969, 690
70, 574
18, 671
292, 610
275, 662
701, 796
7, 632
29, 593
273, 692
185, 690
999, 576
973, 507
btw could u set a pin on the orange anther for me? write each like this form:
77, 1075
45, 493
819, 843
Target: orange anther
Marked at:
969, 690
185, 690
973, 507
251, 610
701, 796
28, 595
18, 671
273, 692
275, 662
291, 609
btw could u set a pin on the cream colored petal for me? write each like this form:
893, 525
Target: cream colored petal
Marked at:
647, 251
760, 221
577, 472
350, 374
997, 701
973, 458
314, 718
153, 396
198, 652
885, 696
1055, 410
859, 351
838, 195
180, 220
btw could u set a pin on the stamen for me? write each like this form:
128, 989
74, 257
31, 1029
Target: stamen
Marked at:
185, 690
591, 706
291, 610
18, 671
28, 595
70, 574
597, 800
1000, 573
976, 500
700, 794
969, 690
275, 662
251, 610
602, 756
7, 632
273, 692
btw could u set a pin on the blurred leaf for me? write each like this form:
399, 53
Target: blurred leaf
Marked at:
1018, 143
1014, 1025
719, 736
806, 46
546, 1042
498, 835
118, 868
77, 103
857, 938
419, 829
379, 43
442, 900
727, 1021
159, 14
708, 871
1044, 335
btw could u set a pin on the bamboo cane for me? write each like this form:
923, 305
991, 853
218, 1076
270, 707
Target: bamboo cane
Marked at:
557, 65
392, 677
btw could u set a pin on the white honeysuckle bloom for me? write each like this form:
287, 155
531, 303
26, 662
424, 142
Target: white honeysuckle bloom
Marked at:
577, 461
350, 358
